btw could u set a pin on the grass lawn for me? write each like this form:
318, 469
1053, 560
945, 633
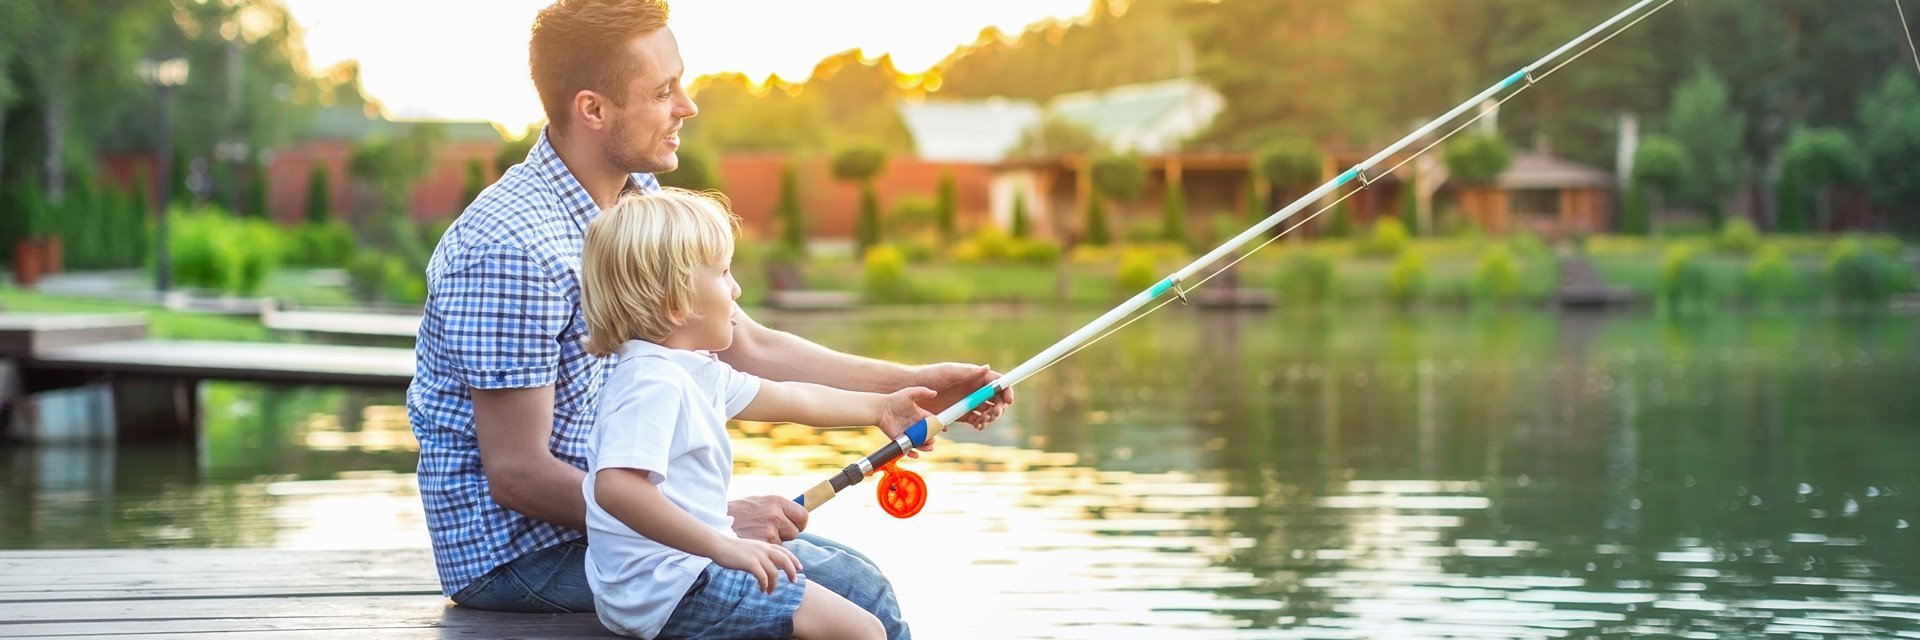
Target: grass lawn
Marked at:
162, 323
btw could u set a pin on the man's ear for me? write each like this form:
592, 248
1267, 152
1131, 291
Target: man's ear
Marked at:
590, 110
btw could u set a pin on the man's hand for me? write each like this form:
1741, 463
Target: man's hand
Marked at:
771, 519
955, 381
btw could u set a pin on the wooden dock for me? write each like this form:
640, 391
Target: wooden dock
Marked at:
249, 594
154, 383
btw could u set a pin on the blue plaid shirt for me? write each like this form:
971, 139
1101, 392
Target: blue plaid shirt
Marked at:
503, 312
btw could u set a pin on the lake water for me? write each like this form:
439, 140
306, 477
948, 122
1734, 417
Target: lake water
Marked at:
1203, 475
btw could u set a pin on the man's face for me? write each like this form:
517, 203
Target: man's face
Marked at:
644, 131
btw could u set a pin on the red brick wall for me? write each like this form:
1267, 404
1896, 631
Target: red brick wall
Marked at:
752, 182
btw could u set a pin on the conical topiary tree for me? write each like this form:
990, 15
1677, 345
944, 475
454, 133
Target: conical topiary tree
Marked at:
861, 163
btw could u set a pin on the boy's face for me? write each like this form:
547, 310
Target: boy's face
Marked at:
709, 324
644, 130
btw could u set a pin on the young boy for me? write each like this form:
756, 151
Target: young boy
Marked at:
658, 295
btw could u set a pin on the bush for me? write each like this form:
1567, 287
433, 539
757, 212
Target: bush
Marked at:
1768, 275
1389, 238
1306, 276
913, 215
209, 250
1863, 273
1138, 270
1496, 276
1096, 228
989, 244
1037, 250
1528, 245
1683, 275
1738, 237
886, 275
326, 244
1408, 278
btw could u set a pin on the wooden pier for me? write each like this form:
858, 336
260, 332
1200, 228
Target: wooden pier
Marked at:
154, 383
249, 593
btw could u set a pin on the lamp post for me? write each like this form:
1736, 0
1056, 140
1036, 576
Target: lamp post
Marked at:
164, 73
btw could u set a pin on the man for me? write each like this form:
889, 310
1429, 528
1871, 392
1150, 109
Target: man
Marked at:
503, 397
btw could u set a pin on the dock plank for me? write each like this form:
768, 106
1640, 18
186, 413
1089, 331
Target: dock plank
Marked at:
390, 325
263, 362
249, 593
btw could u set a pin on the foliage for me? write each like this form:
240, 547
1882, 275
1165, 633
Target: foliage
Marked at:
1683, 275
860, 162
473, 181
319, 195
1636, 215
1661, 163
1138, 270
1289, 164
1496, 276
913, 215
1389, 238
1410, 203
1738, 236
886, 275
209, 249
321, 244
1120, 176
1478, 160
1306, 276
1173, 214
1768, 275
1819, 158
793, 229
1338, 221
257, 205
1890, 127
866, 228
1860, 272
1709, 134
1795, 209
1022, 222
697, 172
947, 208
1096, 226
515, 151
389, 166
1408, 277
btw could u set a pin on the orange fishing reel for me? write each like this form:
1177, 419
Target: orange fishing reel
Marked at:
901, 493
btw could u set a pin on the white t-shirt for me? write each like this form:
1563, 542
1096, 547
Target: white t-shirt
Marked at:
663, 411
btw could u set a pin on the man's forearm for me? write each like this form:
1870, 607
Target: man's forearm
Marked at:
550, 494
778, 355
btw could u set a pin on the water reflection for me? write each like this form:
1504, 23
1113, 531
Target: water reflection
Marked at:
1236, 476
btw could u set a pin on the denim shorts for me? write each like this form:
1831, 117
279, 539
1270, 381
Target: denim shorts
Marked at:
727, 603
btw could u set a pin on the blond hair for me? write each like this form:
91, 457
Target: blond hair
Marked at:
637, 268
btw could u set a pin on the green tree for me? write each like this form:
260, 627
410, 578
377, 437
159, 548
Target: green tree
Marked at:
1660, 168
696, 172
793, 231
1890, 125
947, 211
389, 167
1478, 160
1173, 214
320, 195
861, 163
1820, 159
1289, 166
474, 181
1022, 225
1116, 177
512, 152
1700, 119
257, 196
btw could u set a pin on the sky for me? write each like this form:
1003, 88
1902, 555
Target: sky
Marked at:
468, 60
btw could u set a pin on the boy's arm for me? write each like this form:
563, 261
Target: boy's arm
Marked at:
630, 497
823, 406
777, 355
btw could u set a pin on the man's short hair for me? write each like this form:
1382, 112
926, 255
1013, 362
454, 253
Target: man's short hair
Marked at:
638, 264
582, 45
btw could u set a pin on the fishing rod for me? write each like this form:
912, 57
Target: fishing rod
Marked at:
903, 493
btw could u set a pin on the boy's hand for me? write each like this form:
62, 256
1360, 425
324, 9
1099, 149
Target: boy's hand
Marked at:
765, 561
900, 409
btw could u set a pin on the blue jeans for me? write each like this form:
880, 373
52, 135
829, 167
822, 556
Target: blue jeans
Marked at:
554, 580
